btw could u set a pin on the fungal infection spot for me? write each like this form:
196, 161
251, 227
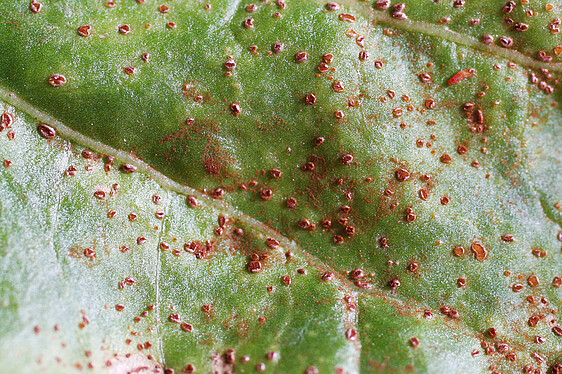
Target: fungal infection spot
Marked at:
301, 57
46, 131
480, 251
402, 174
85, 30
57, 80
35, 6
129, 168
124, 29
460, 76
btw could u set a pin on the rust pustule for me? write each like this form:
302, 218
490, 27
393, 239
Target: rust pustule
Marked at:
129, 168
460, 76
402, 174
46, 131
480, 251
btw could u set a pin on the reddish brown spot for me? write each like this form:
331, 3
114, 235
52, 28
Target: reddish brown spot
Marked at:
323, 67
480, 251
430, 104
461, 282
331, 6
461, 75
493, 332
394, 283
557, 330
383, 242
402, 174
192, 201
347, 159
328, 276
218, 193
301, 57
119, 307
539, 252
338, 239
415, 342
287, 280
304, 224
534, 320
276, 173
319, 140
445, 200
487, 39
141, 240
338, 86
235, 109
85, 30
346, 17
278, 47
357, 274
425, 78
6, 120
130, 70
272, 243
517, 287
124, 29
310, 99
35, 6
533, 281
351, 334
382, 4
71, 171
255, 266
453, 313
345, 209
363, 55
506, 41
230, 356
129, 168
46, 131
413, 267
446, 159
291, 202
424, 193
175, 317
557, 281
266, 194
100, 194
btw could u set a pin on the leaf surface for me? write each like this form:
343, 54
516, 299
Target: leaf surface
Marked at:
398, 188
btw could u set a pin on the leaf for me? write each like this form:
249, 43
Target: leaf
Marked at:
398, 186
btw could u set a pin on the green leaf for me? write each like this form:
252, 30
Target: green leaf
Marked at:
393, 184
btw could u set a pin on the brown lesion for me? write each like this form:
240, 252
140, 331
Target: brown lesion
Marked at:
87, 255
194, 133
